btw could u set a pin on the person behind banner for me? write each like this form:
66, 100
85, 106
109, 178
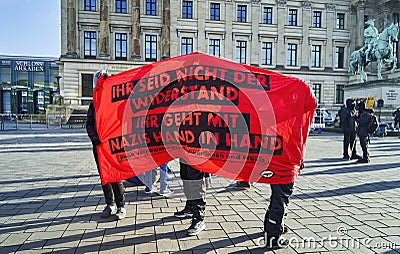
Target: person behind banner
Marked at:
348, 125
113, 192
149, 180
195, 192
363, 118
274, 226
396, 115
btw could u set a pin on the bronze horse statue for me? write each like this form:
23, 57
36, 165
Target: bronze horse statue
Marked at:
382, 53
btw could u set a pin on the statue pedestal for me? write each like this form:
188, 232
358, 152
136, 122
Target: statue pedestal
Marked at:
386, 89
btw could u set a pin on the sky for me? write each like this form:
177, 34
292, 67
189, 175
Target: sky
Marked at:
30, 28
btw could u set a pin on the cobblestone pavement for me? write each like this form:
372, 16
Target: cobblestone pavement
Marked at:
50, 200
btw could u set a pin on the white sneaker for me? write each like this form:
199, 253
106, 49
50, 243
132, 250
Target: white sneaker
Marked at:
121, 213
166, 192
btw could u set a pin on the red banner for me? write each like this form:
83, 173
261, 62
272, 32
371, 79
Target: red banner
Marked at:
221, 117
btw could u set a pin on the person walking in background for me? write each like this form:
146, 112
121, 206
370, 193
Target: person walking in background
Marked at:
150, 181
396, 115
113, 192
348, 125
363, 119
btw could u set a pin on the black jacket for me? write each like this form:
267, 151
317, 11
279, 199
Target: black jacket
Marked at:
91, 125
396, 115
347, 120
363, 120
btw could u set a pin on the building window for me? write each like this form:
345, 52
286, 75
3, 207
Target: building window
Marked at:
187, 45
151, 48
90, 5
339, 94
241, 52
87, 85
395, 18
317, 92
340, 21
90, 45
316, 19
267, 15
151, 7
292, 17
316, 56
120, 46
187, 9
339, 58
292, 54
214, 11
214, 48
266, 53
120, 6
241, 13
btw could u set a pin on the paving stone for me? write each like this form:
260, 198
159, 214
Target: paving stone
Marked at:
69, 199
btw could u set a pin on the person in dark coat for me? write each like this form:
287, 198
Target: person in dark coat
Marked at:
113, 192
348, 125
396, 115
363, 119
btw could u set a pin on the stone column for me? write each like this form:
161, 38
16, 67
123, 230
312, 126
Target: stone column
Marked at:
71, 30
202, 15
255, 48
280, 46
230, 15
165, 30
360, 24
353, 28
306, 47
104, 34
136, 30
330, 26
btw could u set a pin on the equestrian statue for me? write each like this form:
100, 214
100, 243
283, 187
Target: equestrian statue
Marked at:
377, 48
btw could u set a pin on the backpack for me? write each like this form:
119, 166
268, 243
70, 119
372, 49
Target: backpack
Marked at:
373, 124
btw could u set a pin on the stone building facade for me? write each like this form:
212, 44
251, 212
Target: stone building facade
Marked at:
309, 39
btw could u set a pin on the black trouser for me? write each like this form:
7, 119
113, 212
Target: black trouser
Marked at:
364, 147
194, 189
396, 122
113, 192
273, 221
349, 140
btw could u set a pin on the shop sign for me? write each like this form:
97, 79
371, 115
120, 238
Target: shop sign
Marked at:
29, 66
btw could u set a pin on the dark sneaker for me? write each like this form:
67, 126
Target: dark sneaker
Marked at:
185, 213
346, 158
362, 161
121, 213
355, 157
242, 185
108, 211
197, 226
275, 244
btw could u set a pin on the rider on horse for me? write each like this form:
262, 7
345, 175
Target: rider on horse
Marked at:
371, 37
